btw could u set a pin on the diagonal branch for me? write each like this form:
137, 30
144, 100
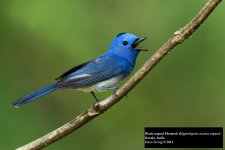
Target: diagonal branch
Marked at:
94, 111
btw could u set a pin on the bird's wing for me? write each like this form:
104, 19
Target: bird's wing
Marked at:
100, 69
75, 68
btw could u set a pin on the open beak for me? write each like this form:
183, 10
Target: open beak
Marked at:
137, 42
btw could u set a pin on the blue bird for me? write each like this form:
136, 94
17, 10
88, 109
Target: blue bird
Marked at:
99, 74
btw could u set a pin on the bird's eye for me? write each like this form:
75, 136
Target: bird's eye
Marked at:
125, 43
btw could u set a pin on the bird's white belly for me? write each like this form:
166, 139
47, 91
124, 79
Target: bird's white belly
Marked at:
106, 83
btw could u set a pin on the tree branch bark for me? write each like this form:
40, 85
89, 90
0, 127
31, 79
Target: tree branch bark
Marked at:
95, 110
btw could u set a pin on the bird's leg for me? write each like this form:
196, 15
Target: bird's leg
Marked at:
95, 104
96, 99
113, 89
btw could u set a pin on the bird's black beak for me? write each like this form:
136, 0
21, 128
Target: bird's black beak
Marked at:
137, 42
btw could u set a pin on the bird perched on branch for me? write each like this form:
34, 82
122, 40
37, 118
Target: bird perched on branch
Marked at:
99, 74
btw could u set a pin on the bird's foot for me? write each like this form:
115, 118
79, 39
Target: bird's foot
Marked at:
96, 105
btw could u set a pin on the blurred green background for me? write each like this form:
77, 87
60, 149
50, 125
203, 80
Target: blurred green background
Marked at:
39, 40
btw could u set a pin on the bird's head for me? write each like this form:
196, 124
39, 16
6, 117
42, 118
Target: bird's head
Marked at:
127, 45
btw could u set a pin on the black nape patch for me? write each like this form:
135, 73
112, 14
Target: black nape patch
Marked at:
120, 34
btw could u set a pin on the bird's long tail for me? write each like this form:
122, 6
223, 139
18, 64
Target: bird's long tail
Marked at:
34, 95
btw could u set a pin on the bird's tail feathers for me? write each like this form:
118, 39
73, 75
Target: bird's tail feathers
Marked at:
34, 95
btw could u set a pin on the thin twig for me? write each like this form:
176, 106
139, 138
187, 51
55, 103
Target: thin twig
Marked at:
94, 111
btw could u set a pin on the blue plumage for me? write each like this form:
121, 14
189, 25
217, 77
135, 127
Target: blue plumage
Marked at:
99, 74
34, 95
